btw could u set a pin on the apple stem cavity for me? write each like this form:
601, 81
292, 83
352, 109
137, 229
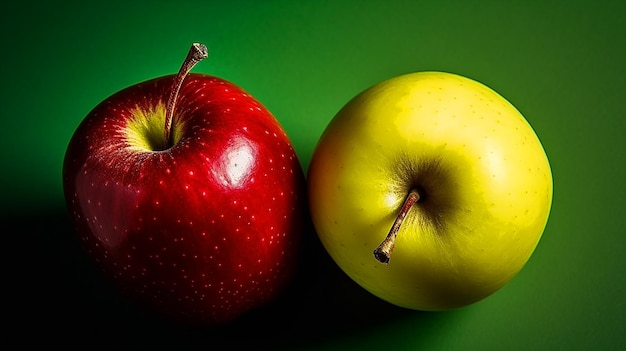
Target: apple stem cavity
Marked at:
197, 53
383, 251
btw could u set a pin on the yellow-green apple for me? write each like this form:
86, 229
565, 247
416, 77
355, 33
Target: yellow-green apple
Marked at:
443, 171
188, 193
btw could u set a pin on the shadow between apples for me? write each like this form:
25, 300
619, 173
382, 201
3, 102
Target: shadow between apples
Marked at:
54, 294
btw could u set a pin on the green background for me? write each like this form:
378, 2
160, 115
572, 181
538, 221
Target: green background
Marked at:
561, 63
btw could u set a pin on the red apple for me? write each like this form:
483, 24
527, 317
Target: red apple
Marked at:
188, 194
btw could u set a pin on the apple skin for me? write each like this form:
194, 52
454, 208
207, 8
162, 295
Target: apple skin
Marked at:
484, 178
203, 231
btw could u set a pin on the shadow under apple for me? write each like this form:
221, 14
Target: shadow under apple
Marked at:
53, 293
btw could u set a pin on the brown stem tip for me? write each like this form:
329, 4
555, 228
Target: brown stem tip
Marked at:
197, 53
383, 251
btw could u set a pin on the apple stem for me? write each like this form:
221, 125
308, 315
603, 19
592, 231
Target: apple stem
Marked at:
197, 53
383, 251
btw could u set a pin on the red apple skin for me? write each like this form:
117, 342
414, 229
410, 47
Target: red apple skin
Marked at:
203, 231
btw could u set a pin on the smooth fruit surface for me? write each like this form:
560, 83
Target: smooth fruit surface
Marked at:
483, 176
203, 230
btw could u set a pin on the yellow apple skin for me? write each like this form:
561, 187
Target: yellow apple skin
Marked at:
482, 174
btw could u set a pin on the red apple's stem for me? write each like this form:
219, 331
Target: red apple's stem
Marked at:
383, 251
197, 53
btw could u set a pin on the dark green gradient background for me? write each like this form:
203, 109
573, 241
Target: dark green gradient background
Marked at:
561, 63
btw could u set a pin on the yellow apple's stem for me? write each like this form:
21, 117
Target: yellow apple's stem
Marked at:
383, 251
197, 53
